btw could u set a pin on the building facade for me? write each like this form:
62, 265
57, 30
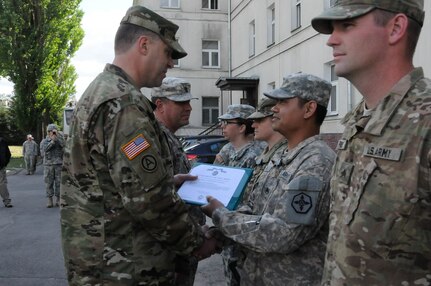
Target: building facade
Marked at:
260, 42
203, 33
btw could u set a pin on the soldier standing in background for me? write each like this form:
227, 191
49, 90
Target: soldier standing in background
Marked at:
122, 220
276, 143
172, 100
284, 234
242, 149
380, 223
51, 150
4, 160
241, 152
30, 149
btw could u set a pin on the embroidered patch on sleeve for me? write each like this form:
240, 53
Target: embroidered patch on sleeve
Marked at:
135, 147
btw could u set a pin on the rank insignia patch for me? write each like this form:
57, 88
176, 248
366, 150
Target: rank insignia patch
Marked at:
135, 147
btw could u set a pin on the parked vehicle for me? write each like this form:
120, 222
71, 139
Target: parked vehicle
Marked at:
190, 140
205, 151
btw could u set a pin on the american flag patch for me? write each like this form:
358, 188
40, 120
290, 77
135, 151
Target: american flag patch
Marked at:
135, 147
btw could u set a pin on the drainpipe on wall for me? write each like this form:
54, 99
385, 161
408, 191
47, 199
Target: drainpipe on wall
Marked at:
229, 40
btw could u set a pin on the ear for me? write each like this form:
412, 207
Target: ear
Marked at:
309, 109
242, 128
397, 28
143, 44
159, 105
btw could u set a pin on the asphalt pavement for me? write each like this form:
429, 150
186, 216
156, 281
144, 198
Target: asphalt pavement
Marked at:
30, 248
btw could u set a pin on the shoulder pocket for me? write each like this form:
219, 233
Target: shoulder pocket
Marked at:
302, 198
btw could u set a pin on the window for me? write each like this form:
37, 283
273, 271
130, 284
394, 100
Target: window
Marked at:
176, 63
296, 14
210, 4
252, 39
271, 25
270, 86
210, 111
332, 105
170, 3
210, 54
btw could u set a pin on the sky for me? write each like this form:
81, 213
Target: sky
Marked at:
100, 22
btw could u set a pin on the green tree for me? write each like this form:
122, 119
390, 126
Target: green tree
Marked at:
38, 38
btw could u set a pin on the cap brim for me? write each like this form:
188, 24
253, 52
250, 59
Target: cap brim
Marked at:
278, 94
182, 98
177, 51
322, 23
258, 115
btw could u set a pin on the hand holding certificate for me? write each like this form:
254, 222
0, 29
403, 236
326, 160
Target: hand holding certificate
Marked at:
223, 183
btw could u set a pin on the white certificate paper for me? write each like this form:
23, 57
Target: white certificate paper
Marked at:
226, 184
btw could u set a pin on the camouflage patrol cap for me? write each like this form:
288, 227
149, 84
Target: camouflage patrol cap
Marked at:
347, 9
51, 127
173, 88
263, 109
234, 111
305, 86
143, 17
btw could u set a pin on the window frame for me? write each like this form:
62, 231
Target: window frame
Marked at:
210, 5
271, 24
210, 54
296, 14
210, 110
252, 39
170, 6
334, 80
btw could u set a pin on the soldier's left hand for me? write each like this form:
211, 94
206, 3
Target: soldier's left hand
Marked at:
212, 205
179, 179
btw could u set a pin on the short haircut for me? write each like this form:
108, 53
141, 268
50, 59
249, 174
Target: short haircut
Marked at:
320, 113
382, 17
247, 122
128, 34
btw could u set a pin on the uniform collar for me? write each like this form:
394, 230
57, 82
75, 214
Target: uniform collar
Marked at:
290, 155
388, 106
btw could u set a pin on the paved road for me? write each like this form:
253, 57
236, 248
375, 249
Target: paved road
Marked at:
30, 251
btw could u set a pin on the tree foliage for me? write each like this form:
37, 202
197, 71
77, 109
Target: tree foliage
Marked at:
38, 38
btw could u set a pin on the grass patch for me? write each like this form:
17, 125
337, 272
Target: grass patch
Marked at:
16, 151
17, 160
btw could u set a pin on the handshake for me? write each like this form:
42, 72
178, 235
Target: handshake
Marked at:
213, 243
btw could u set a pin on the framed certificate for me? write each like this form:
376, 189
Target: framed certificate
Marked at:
226, 184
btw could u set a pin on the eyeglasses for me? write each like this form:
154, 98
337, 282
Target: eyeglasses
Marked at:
225, 122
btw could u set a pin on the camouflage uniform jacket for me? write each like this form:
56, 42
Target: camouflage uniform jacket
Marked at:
122, 221
52, 150
182, 166
30, 148
285, 236
224, 154
179, 159
261, 163
244, 157
380, 223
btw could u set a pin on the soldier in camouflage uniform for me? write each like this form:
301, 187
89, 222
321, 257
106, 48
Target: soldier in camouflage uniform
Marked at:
173, 110
276, 142
241, 151
51, 150
380, 223
122, 221
284, 234
30, 149
4, 161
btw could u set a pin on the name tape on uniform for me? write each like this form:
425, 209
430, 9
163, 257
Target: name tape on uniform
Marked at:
393, 154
